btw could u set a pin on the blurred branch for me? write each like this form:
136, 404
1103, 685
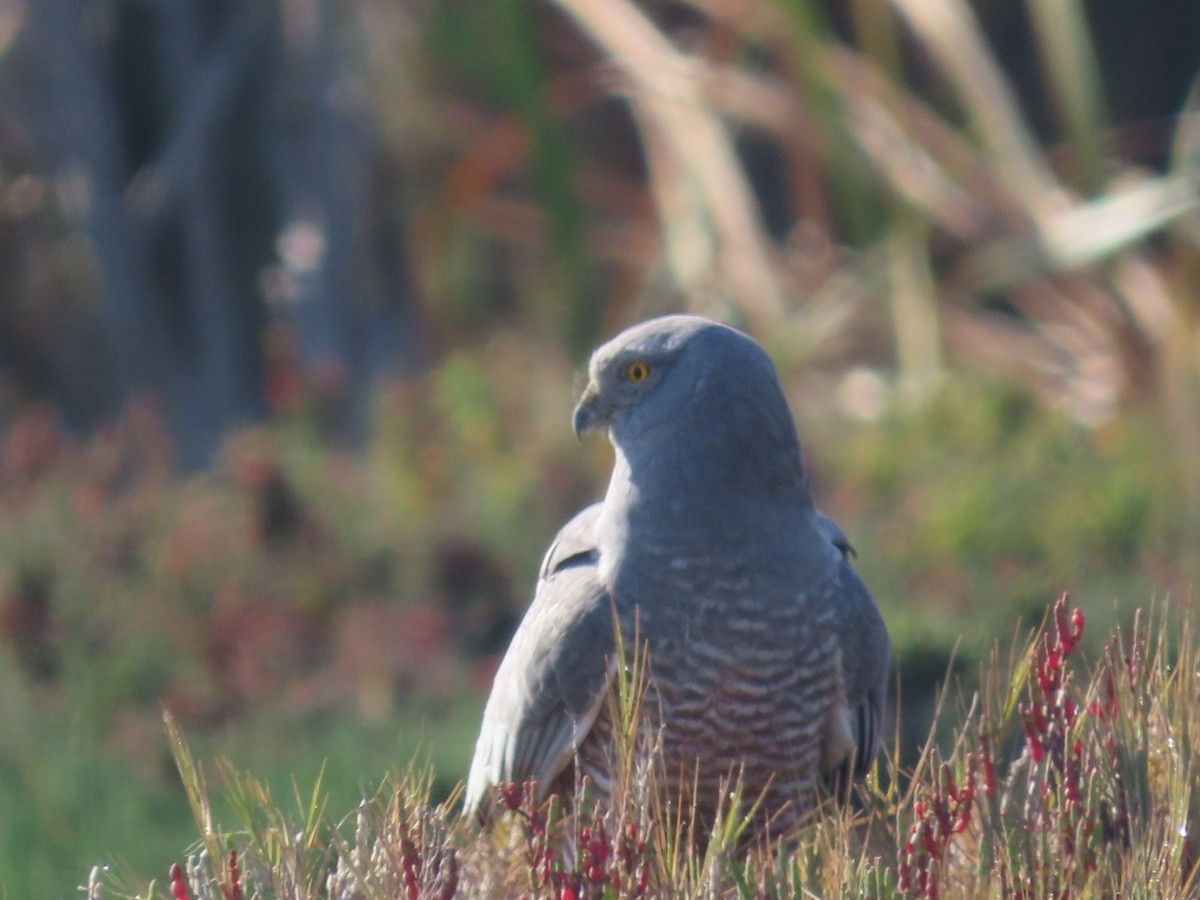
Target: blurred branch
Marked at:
709, 186
260, 199
996, 195
1078, 235
1073, 75
914, 306
1185, 156
204, 94
1090, 231
951, 33
911, 171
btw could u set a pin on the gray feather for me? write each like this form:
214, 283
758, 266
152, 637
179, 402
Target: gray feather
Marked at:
866, 661
766, 653
553, 678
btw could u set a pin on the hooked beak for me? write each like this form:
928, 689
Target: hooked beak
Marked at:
590, 414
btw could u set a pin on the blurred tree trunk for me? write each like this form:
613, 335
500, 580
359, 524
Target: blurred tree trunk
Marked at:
71, 109
321, 165
208, 150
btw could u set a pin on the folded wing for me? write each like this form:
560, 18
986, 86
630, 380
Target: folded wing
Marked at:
554, 678
866, 657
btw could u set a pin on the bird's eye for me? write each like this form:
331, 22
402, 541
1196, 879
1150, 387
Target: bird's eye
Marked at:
637, 371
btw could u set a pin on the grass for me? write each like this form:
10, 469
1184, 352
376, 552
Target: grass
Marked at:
270, 603
1065, 777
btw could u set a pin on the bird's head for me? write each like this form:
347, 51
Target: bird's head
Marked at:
683, 388
647, 375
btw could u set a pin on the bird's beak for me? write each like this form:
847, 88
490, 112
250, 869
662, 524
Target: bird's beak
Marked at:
589, 412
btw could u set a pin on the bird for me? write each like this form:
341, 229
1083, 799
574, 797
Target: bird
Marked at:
767, 659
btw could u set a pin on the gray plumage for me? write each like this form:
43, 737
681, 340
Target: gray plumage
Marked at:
767, 655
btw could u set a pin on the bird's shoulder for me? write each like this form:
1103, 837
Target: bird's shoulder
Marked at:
575, 543
552, 681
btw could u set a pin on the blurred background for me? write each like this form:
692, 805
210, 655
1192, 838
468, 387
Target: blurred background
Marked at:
294, 295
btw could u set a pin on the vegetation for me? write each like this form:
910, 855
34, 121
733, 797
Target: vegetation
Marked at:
1059, 782
967, 232
310, 616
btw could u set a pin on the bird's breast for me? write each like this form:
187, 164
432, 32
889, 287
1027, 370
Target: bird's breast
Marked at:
744, 675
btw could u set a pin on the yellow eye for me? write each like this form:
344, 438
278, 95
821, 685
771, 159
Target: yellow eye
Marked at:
637, 371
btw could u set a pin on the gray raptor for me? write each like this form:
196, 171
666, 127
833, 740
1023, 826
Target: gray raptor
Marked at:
768, 659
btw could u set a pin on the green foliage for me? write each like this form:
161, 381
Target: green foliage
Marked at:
302, 610
982, 500
1061, 780
272, 604
66, 793
496, 45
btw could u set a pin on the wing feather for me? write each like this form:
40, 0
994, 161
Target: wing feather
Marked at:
555, 675
865, 652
